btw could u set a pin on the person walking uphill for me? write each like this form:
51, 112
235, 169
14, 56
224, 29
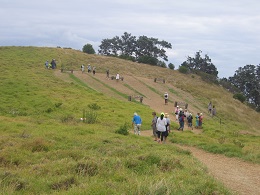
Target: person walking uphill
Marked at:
137, 122
154, 121
161, 128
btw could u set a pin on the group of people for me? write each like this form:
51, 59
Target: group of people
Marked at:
93, 69
51, 65
211, 109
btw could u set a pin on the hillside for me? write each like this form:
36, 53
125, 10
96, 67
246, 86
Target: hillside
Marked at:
46, 148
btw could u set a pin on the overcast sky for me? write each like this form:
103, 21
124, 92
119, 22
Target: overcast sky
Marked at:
226, 30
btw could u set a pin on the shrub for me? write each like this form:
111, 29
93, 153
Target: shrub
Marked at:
89, 116
123, 130
239, 97
183, 69
94, 106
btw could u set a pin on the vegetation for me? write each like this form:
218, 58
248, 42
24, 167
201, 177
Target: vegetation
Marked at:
46, 148
88, 48
143, 50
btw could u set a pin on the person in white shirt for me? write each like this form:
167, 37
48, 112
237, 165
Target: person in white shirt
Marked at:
161, 128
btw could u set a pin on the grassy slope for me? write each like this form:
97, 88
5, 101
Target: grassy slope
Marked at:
45, 148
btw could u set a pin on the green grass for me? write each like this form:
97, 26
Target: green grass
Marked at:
46, 148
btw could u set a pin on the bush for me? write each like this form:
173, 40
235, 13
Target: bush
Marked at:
123, 130
94, 106
239, 97
89, 116
183, 69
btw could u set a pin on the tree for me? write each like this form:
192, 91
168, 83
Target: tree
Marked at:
171, 66
200, 64
247, 79
143, 50
88, 49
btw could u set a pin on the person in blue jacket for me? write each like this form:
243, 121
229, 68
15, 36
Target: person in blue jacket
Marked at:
137, 122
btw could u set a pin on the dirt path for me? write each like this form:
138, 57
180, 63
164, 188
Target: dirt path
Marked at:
239, 176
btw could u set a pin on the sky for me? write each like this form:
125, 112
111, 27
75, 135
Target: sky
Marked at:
228, 31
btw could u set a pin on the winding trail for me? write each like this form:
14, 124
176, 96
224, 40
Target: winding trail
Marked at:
239, 176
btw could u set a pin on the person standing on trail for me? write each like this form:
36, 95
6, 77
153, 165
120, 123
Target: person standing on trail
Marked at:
166, 98
197, 120
161, 128
189, 119
47, 64
214, 111
177, 113
168, 125
94, 70
154, 121
89, 68
181, 119
210, 107
117, 77
137, 122
107, 73
200, 120
82, 68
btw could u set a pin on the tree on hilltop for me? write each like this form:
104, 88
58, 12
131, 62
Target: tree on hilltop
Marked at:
88, 49
142, 49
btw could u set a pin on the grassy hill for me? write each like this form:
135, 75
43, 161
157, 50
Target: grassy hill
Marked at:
46, 148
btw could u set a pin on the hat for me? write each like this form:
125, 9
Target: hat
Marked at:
135, 114
180, 109
177, 106
162, 114
190, 114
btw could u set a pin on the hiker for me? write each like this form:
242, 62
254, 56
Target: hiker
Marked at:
53, 64
189, 119
161, 128
181, 120
166, 98
177, 113
89, 68
47, 64
137, 122
107, 73
117, 77
197, 120
209, 107
94, 70
82, 68
186, 115
200, 120
153, 125
214, 111
168, 125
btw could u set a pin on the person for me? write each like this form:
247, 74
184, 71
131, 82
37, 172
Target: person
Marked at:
53, 64
189, 119
161, 128
168, 125
137, 122
209, 107
94, 70
166, 98
47, 64
181, 120
107, 73
186, 115
89, 68
200, 120
197, 120
154, 121
177, 113
214, 111
82, 68
117, 77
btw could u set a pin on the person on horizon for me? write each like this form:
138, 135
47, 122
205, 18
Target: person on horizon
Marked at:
166, 98
47, 64
161, 128
137, 122
154, 121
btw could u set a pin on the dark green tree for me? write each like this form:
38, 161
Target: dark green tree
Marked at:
247, 79
171, 66
198, 63
88, 49
143, 50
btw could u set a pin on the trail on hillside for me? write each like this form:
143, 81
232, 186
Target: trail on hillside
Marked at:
241, 177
